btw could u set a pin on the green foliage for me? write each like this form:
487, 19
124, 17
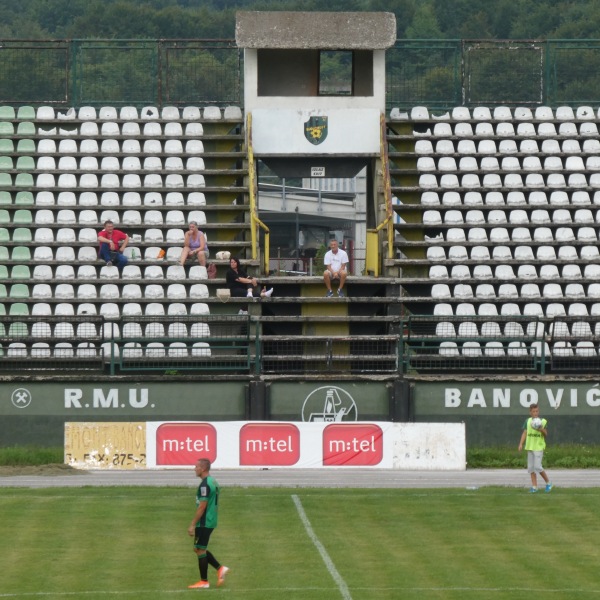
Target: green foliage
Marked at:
194, 19
425, 24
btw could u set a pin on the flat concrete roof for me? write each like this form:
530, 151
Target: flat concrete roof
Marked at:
315, 30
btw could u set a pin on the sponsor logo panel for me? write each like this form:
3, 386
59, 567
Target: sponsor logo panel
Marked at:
352, 445
184, 443
269, 444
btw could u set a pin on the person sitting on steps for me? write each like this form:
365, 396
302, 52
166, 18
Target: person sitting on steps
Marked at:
336, 262
194, 244
112, 242
242, 286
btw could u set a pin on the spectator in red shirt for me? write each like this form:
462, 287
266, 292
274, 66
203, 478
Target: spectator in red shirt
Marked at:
112, 243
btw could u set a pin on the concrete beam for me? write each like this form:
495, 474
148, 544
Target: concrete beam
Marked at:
315, 30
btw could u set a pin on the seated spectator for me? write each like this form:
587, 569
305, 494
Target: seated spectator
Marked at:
194, 244
336, 262
240, 285
112, 244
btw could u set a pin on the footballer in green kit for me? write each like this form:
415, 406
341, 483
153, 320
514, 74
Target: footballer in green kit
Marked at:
203, 524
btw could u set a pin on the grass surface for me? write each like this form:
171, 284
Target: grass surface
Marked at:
498, 543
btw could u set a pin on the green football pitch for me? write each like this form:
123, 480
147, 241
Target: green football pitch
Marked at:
306, 544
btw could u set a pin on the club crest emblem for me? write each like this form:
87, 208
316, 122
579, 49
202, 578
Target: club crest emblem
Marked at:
315, 130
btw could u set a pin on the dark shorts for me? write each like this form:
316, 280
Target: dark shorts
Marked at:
201, 537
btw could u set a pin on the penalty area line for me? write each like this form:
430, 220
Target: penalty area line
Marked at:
324, 555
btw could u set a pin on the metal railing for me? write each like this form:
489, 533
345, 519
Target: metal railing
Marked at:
358, 354
474, 344
186, 343
236, 344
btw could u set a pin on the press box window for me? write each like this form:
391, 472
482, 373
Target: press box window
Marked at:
335, 73
312, 72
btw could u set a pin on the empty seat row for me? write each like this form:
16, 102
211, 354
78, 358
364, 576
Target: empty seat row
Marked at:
108, 163
577, 329
510, 180
472, 349
42, 329
519, 234
18, 198
522, 147
68, 309
67, 350
501, 113
91, 331
508, 129
20, 163
109, 180
112, 310
126, 146
517, 253
506, 146
60, 350
491, 329
21, 128
25, 113
538, 216
22, 146
509, 291
515, 329
147, 113
48, 198
524, 271
517, 349
111, 128
508, 163
513, 198
107, 128
582, 349
91, 217
551, 309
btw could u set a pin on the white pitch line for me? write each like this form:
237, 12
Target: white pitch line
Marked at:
324, 555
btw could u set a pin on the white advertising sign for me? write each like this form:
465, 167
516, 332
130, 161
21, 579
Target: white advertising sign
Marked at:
326, 444
289, 132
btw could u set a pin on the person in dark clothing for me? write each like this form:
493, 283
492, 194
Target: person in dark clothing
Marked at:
241, 285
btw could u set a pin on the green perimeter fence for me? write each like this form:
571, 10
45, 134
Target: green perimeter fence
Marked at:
439, 74
120, 72
446, 73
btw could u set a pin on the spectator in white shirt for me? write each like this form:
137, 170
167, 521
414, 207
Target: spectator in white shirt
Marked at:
336, 262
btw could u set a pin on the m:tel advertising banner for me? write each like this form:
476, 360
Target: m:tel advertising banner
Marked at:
255, 445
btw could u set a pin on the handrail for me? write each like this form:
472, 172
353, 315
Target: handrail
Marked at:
373, 243
387, 187
253, 187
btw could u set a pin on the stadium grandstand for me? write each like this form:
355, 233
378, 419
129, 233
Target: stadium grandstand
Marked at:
481, 250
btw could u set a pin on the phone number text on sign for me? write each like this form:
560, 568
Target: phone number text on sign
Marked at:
105, 445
